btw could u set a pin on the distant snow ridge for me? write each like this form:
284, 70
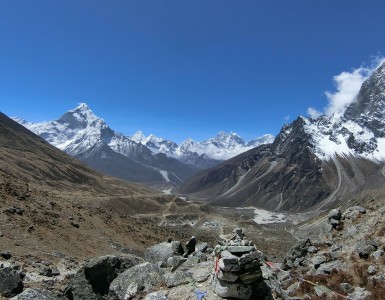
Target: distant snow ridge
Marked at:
221, 147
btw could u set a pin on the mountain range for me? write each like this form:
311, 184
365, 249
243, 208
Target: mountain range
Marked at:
138, 158
312, 163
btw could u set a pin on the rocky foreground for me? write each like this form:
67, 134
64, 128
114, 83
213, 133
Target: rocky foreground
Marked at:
345, 260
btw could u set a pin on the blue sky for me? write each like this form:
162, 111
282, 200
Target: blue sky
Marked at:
180, 68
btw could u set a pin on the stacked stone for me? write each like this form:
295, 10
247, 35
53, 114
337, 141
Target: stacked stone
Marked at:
238, 272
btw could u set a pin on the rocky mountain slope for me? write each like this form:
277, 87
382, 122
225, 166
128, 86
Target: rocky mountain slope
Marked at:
55, 212
312, 163
83, 135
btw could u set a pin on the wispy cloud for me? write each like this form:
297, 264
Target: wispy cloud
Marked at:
286, 118
347, 85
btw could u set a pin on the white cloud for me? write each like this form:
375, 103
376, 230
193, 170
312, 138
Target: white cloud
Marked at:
347, 85
313, 113
286, 118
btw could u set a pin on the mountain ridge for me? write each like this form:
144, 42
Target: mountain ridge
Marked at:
312, 163
80, 133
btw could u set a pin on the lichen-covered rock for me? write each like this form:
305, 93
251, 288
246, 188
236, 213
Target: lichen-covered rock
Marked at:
144, 277
36, 294
365, 248
10, 282
93, 280
179, 277
162, 251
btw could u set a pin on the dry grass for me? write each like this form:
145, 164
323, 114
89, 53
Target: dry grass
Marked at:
377, 289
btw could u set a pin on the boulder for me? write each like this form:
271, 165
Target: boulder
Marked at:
161, 252
327, 268
202, 271
93, 280
316, 261
353, 212
335, 214
10, 282
180, 277
144, 277
6, 254
36, 294
365, 248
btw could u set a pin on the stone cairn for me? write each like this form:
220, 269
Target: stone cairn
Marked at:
238, 272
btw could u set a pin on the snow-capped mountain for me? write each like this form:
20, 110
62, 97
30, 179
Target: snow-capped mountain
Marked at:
204, 154
82, 134
156, 144
312, 163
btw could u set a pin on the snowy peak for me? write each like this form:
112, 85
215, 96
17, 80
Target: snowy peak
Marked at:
156, 144
81, 117
138, 137
262, 140
225, 140
359, 132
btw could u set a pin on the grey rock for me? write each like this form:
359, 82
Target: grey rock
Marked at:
359, 293
93, 280
251, 275
202, 272
156, 296
353, 212
267, 272
36, 294
312, 249
316, 261
233, 267
177, 248
334, 222
327, 268
143, 277
10, 282
227, 276
240, 249
247, 258
352, 231
294, 287
298, 261
180, 277
175, 262
14, 210
6, 254
336, 247
335, 214
365, 248
160, 252
228, 258
346, 287
322, 291
377, 254
49, 272
372, 270
232, 290
201, 246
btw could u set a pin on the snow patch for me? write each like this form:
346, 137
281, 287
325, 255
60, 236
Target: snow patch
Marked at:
165, 175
